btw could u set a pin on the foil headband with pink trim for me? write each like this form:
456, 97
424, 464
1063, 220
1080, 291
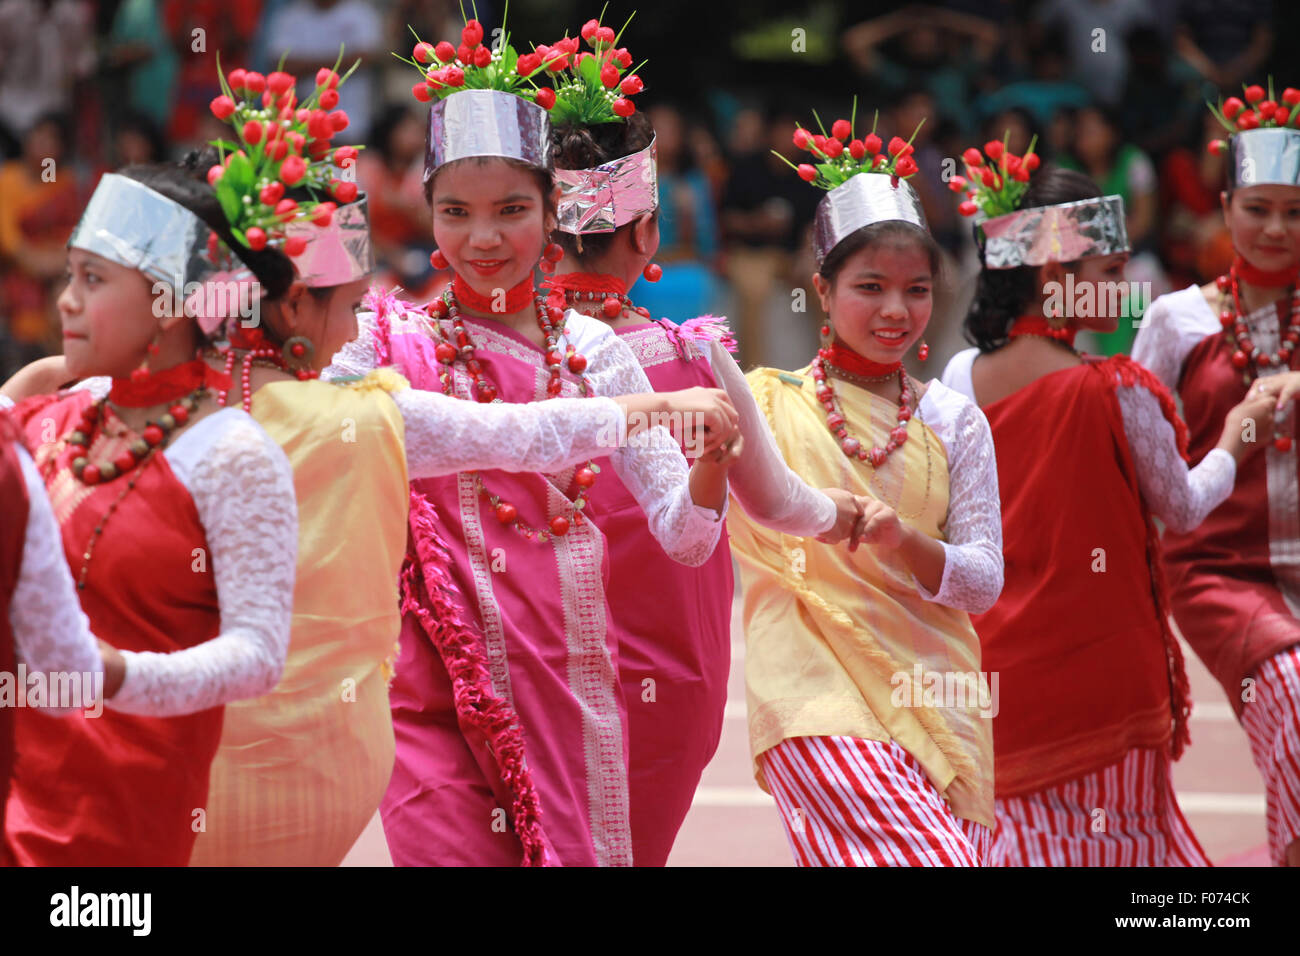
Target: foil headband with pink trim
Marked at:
605, 197
487, 123
1065, 232
1261, 157
338, 253
863, 200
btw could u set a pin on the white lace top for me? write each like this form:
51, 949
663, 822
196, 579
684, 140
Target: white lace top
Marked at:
1174, 325
51, 632
649, 463
242, 488
1178, 496
972, 567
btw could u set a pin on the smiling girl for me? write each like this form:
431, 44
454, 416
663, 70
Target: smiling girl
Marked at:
1235, 580
506, 616
868, 766
1087, 455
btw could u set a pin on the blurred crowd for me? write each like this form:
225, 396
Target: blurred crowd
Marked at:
1116, 88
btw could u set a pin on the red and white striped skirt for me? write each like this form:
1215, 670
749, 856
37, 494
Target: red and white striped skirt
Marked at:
851, 802
1272, 721
1123, 815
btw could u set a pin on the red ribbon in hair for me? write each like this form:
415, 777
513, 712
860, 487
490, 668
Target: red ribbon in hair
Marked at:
1037, 325
847, 360
1268, 280
168, 385
517, 299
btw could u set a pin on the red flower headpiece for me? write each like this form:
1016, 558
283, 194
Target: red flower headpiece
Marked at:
843, 156
588, 87
994, 186
1255, 113
281, 144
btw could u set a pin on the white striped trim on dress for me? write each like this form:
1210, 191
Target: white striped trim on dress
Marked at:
851, 802
1123, 815
1272, 722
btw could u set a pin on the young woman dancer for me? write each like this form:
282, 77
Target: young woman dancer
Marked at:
673, 655
522, 562
1083, 748
1234, 581
869, 766
180, 526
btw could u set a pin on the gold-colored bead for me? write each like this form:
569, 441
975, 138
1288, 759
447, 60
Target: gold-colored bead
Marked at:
107, 471
167, 422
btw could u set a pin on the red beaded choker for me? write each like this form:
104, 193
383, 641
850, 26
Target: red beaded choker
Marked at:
1268, 280
516, 299
158, 388
1037, 325
847, 360
578, 287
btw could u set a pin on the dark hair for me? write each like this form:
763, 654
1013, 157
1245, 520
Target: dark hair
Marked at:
136, 122
574, 146
1002, 295
894, 232
186, 183
381, 130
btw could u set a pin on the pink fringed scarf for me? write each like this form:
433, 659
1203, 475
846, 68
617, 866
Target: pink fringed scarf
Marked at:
699, 332
425, 589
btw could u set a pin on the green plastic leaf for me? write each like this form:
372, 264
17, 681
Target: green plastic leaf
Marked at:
228, 198
590, 71
239, 174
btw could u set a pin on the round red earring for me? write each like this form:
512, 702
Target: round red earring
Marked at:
437, 259
923, 352
552, 254
652, 272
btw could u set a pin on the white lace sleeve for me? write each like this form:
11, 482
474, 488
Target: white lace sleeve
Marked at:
769, 491
649, 463
242, 486
445, 435
357, 358
6, 402
51, 632
1180, 497
1171, 328
972, 567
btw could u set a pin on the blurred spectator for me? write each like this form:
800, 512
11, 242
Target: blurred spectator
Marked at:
929, 47
41, 198
137, 140
1195, 246
44, 49
916, 111
1019, 128
1046, 91
1226, 43
226, 27
1163, 99
310, 32
390, 172
766, 211
138, 48
1095, 32
688, 232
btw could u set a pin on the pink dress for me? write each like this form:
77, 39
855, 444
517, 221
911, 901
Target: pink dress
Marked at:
673, 622
509, 718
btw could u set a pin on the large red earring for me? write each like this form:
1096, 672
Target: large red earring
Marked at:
552, 254
437, 259
652, 272
923, 352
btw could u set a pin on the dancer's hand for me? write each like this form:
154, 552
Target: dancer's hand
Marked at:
702, 419
878, 526
1258, 407
848, 509
709, 474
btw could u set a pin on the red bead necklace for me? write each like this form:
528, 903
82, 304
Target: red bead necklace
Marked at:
1249, 357
1038, 326
251, 347
456, 345
608, 290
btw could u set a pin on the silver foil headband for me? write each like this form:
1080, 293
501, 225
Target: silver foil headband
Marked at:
863, 200
487, 123
610, 195
128, 223
338, 253
1265, 157
1064, 232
